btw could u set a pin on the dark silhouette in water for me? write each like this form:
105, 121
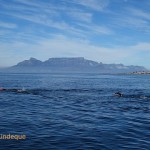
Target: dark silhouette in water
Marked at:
2, 89
14, 90
119, 94
41, 92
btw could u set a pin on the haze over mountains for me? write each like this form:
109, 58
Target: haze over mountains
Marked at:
73, 64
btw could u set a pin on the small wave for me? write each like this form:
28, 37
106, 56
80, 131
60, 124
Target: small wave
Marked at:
49, 90
134, 108
46, 92
138, 96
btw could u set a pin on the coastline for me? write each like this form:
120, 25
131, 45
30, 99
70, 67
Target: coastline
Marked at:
140, 72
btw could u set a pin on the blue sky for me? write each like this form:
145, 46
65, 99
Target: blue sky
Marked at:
108, 31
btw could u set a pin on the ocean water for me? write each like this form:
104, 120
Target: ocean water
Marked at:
75, 112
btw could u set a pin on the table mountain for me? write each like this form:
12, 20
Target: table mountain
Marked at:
75, 64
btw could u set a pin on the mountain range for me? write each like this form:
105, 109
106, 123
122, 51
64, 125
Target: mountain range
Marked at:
74, 64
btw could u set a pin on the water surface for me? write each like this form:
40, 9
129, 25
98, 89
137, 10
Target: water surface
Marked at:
76, 111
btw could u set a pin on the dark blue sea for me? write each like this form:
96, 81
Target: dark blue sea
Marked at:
75, 111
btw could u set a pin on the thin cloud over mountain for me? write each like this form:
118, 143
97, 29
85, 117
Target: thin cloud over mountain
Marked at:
114, 31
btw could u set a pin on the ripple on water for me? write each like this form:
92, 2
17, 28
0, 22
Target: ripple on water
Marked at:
76, 113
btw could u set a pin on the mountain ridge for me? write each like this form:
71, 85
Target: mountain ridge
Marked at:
73, 64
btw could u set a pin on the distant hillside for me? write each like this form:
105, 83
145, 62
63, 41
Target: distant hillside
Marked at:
75, 64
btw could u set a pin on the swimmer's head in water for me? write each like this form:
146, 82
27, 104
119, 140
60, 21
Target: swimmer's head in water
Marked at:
118, 94
2, 89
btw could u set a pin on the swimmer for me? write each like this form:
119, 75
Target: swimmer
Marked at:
2, 89
119, 94
14, 90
